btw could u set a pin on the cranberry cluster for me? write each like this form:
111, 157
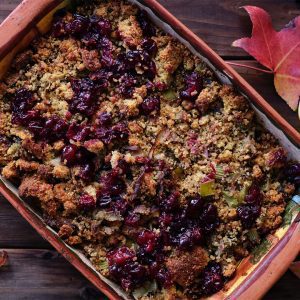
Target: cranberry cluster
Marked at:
193, 87
250, 211
292, 173
94, 33
125, 269
50, 129
211, 279
189, 226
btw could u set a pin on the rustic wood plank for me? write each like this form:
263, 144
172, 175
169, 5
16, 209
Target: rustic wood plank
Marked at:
219, 23
15, 232
42, 274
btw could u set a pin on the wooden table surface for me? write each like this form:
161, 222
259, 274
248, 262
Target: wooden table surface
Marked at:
35, 270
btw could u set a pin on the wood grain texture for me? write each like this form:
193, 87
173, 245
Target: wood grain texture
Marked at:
42, 274
37, 272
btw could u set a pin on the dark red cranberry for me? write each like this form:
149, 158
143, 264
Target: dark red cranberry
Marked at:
209, 217
212, 279
147, 239
195, 206
248, 213
101, 25
91, 39
278, 158
59, 28
133, 219
78, 132
87, 171
163, 278
69, 155
148, 29
120, 256
112, 184
85, 96
165, 219
54, 129
121, 206
86, 202
193, 87
170, 203
21, 106
101, 78
149, 46
118, 132
292, 172
78, 25
104, 119
150, 105
127, 83
107, 59
254, 195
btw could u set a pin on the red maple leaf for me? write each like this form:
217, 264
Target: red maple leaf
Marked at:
278, 51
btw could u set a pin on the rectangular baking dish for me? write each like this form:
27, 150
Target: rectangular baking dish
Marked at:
255, 274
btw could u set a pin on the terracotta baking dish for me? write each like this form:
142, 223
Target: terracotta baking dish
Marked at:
256, 274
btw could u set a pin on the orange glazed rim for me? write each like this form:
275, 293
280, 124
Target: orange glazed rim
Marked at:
24, 22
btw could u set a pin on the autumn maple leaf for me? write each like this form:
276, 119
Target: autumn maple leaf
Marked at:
278, 51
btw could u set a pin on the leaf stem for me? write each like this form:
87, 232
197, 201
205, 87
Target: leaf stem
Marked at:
250, 67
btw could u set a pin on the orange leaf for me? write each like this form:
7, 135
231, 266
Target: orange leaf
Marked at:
278, 51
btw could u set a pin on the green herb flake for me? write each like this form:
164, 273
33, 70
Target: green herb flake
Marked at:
231, 200
260, 250
207, 188
219, 172
253, 236
291, 209
170, 95
103, 265
147, 288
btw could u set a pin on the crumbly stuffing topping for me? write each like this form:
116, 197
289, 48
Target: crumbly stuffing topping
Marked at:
136, 154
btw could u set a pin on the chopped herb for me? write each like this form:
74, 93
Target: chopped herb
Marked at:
219, 172
260, 250
207, 188
231, 200
253, 236
291, 209
170, 95
148, 287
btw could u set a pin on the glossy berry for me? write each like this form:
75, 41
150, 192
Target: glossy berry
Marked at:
277, 158
150, 105
104, 119
54, 129
133, 220
78, 132
248, 213
147, 240
209, 218
148, 29
69, 155
193, 87
86, 202
127, 83
170, 203
254, 195
87, 171
101, 25
150, 46
195, 206
212, 279
120, 256
78, 25
292, 173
